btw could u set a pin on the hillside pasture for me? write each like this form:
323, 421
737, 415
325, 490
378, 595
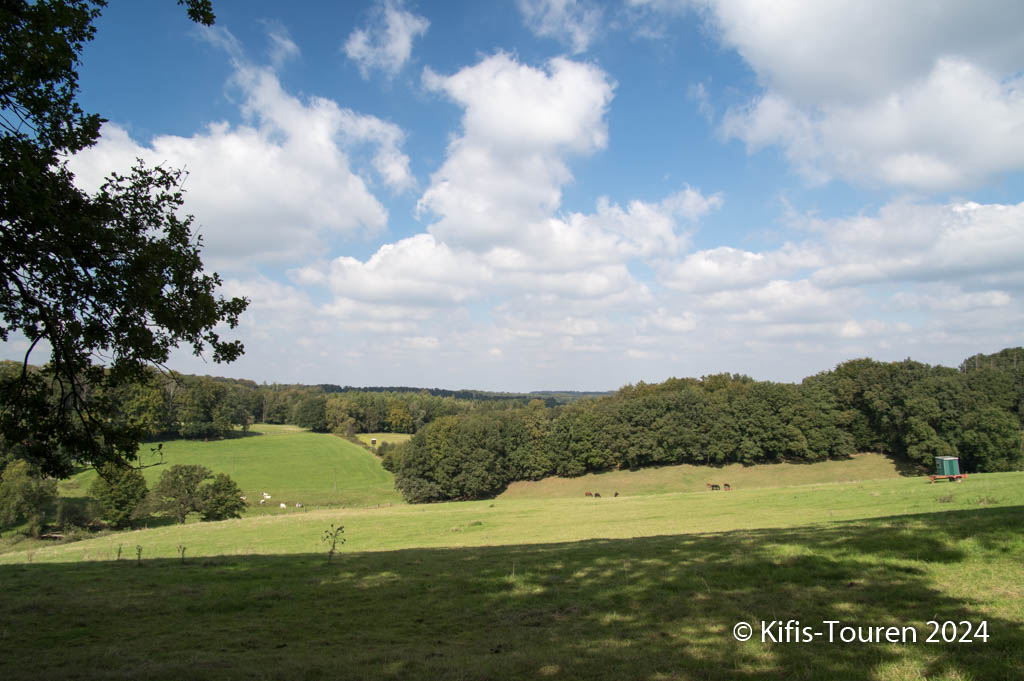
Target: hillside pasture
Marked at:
688, 478
537, 521
658, 607
291, 464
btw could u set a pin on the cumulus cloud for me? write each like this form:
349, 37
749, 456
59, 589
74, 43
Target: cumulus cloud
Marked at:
387, 43
497, 270
498, 193
505, 172
906, 95
417, 270
575, 22
278, 185
727, 268
958, 242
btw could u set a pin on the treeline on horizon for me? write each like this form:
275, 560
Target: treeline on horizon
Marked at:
172, 405
550, 397
472, 444
907, 409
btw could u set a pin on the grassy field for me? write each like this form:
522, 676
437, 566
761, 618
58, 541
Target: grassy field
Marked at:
537, 521
647, 585
290, 464
694, 478
381, 438
655, 607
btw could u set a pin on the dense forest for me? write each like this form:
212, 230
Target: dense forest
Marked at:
172, 405
907, 409
472, 444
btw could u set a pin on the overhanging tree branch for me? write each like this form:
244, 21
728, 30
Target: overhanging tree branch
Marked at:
113, 281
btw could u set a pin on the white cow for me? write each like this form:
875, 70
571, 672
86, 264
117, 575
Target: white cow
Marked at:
298, 505
283, 506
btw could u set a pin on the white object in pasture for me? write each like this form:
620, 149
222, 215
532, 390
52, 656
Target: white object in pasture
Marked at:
298, 505
283, 505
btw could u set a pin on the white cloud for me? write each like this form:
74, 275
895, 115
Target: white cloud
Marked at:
499, 248
725, 267
276, 187
505, 172
962, 245
780, 301
575, 22
951, 243
387, 43
925, 96
955, 127
945, 298
498, 191
282, 47
413, 271
663, 320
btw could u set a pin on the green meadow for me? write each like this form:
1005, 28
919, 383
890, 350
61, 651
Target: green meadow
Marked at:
290, 464
689, 478
539, 583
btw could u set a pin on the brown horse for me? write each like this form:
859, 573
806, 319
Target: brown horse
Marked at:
713, 487
727, 487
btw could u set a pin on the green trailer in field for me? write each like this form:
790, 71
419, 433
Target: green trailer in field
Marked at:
947, 468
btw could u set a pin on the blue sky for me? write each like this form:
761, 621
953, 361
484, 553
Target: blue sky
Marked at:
546, 194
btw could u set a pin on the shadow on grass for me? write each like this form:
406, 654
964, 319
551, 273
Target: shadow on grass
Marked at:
646, 608
907, 468
238, 434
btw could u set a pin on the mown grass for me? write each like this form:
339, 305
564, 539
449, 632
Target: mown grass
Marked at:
647, 608
290, 464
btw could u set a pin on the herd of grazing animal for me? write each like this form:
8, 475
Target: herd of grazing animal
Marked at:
264, 498
714, 487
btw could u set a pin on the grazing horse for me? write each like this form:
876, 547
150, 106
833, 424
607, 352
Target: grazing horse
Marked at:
589, 494
713, 487
727, 487
616, 494
597, 494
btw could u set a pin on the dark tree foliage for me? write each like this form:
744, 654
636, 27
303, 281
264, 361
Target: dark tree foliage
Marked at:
118, 491
177, 493
310, 413
25, 494
108, 283
221, 498
184, 489
906, 409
